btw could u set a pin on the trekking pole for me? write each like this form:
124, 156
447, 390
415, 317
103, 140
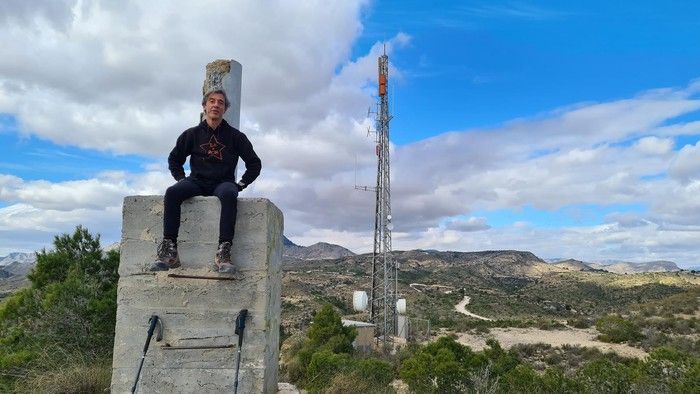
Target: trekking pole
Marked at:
154, 321
240, 326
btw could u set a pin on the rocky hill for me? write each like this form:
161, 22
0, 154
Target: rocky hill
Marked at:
307, 284
16, 264
489, 263
18, 257
13, 272
624, 267
573, 265
616, 266
317, 251
503, 284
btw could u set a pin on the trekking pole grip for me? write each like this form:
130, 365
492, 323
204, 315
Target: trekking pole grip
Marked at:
240, 321
154, 322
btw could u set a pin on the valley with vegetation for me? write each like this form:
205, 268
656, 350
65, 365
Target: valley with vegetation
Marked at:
480, 322
563, 327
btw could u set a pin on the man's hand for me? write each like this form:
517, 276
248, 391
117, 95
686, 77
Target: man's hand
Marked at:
241, 185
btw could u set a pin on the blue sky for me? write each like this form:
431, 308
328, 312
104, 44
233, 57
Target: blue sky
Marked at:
569, 129
484, 63
478, 64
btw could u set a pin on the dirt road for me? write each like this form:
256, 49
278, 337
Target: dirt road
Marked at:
461, 308
508, 337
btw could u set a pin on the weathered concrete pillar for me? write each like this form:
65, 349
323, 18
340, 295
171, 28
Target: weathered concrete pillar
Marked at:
199, 312
226, 75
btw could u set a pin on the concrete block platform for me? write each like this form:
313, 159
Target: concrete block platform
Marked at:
199, 312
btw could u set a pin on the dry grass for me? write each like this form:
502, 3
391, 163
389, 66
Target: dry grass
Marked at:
77, 378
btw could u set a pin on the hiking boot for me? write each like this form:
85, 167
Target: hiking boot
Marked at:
223, 259
167, 257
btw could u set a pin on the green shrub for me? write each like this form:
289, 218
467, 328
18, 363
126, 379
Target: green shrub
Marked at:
328, 341
615, 329
375, 372
447, 366
324, 365
500, 360
328, 332
690, 381
439, 373
672, 368
70, 308
526, 350
605, 376
554, 381
550, 325
437, 367
521, 379
580, 322
482, 330
369, 375
554, 358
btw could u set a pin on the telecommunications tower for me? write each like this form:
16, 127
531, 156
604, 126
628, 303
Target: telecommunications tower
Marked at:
383, 295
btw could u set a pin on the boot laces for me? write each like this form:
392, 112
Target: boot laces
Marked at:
225, 251
167, 248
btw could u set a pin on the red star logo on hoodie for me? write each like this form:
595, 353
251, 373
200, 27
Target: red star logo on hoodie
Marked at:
214, 148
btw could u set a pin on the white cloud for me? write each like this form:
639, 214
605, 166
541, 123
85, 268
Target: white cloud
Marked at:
39, 210
126, 77
56, 13
686, 165
675, 204
27, 228
654, 146
626, 219
469, 224
133, 70
107, 190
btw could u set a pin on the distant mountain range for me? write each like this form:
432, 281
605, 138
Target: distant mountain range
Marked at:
574, 265
617, 266
17, 257
317, 251
16, 264
528, 262
634, 268
491, 263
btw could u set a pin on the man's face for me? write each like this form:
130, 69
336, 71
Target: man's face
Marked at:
215, 106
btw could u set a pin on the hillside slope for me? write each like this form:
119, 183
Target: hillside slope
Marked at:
317, 251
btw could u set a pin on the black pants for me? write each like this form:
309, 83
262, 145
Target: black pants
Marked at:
188, 188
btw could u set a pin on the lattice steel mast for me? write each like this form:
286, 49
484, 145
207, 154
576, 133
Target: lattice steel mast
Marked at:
384, 271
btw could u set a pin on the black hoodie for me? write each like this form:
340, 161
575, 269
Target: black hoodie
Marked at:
214, 154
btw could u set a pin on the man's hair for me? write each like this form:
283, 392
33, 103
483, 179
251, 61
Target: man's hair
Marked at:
220, 91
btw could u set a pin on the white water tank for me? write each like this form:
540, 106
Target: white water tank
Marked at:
401, 306
359, 301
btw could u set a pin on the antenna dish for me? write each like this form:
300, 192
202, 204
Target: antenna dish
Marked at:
401, 306
359, 301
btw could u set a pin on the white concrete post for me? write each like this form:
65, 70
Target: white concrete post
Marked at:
199, 312
226, 75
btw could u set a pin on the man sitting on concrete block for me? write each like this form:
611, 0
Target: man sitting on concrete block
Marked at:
214, 147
